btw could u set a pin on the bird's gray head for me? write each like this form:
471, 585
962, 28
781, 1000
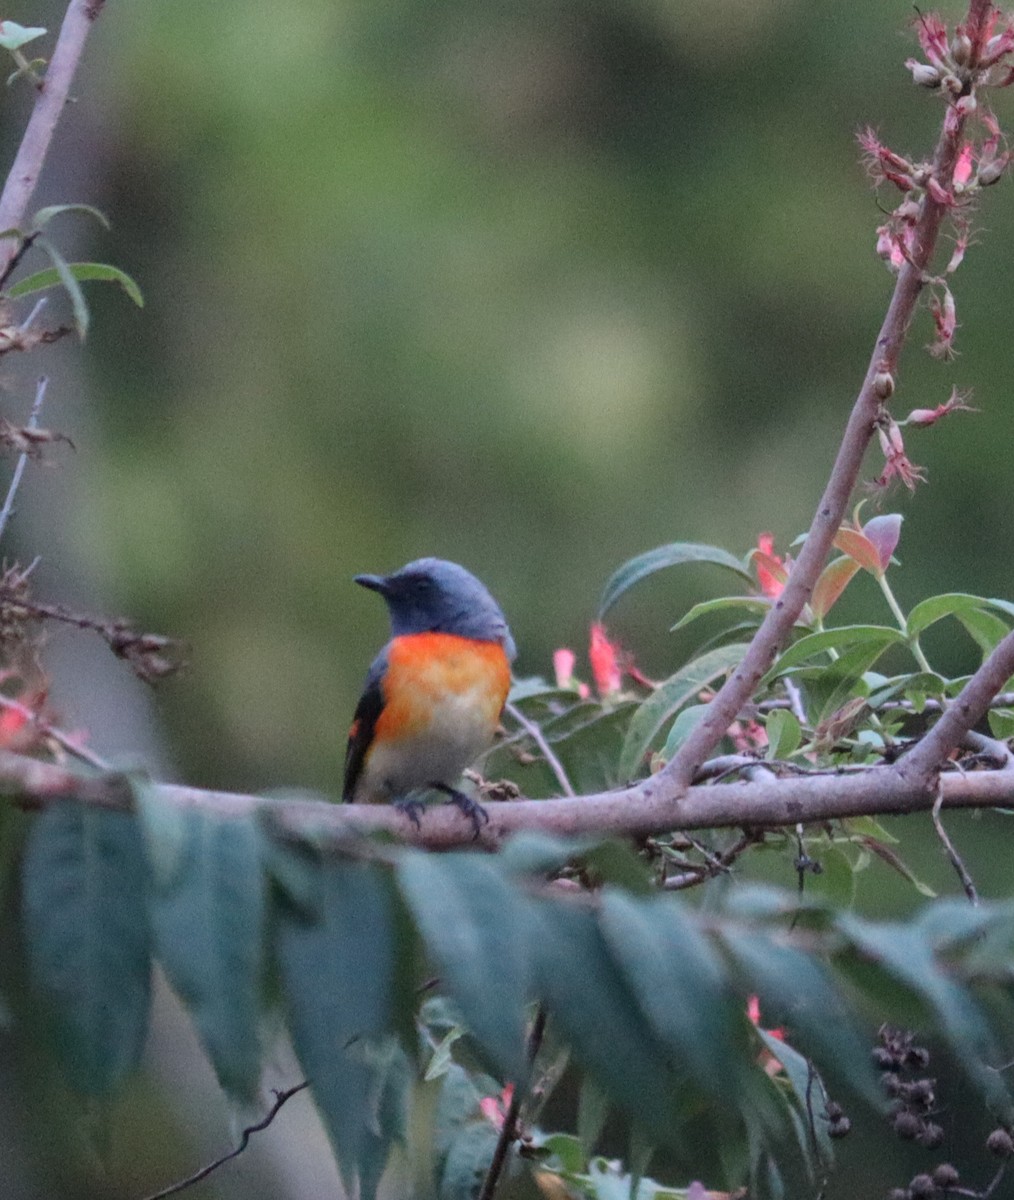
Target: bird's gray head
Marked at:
432, 595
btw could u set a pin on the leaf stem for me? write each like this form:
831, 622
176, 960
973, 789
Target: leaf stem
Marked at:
902, 620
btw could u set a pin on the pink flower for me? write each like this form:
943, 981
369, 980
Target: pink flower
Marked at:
933, 40
897, 464
494, 1108
930, 416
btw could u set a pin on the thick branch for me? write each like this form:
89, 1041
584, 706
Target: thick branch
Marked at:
921, 764
777, 625
640, 811
24, 174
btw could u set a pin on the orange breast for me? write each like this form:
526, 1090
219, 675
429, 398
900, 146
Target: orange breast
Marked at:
428, 673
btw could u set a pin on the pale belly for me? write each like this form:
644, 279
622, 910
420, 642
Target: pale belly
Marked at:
461, 728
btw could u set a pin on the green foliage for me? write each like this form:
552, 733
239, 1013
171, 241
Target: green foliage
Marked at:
648, 993
652, 561
86, 929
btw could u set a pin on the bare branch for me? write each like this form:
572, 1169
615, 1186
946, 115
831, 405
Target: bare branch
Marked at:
280, 1099
534, 731
958, 718
27, 166
955, 858
778, 623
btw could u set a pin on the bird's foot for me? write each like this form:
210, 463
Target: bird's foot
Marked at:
412, 809
471, 808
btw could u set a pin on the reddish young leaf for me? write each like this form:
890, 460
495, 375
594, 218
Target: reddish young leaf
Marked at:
834, 579
858, 546
884, 533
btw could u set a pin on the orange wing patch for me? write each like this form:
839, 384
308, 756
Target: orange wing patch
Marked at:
424, 670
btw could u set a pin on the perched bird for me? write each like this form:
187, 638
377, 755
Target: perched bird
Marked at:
434, 694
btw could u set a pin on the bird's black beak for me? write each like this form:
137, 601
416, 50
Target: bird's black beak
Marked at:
376, 583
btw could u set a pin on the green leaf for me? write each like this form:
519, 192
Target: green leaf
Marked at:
935, 608
670, 696
897, 863
785, 734
570, 1151
530, 852
836, 880
458, 1105
1004, 606
680, 985
45, 215
387, 1122
1001, 723
208, 922
794, 990
13, 36
984, 627
79, 271
86, 928
877, 637
925, 683
592, 1111
758, 605
672, 555
70, 285
592, 1006
617, 863
686, 722
467, 1161
337, 973
475, 926
809, 1095
906, 953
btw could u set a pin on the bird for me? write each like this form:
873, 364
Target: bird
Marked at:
434, 694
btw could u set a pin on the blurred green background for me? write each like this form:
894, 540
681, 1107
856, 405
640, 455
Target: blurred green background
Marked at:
530, 285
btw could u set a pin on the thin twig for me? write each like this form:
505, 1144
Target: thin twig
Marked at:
509, 1128
49, 106
534, 731
19, 469
29, 321
280, 1099
64, 740
956, 862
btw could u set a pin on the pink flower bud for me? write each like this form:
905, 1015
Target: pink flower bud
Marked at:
991, 171
963, 167
563, 666
923, 74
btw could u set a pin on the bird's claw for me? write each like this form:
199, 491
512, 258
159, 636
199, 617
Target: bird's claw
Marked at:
412, 809
471, 808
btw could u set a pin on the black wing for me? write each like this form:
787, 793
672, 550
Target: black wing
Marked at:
369, 708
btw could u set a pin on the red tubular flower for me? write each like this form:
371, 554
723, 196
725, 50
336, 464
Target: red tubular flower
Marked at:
771, 572
605, 661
